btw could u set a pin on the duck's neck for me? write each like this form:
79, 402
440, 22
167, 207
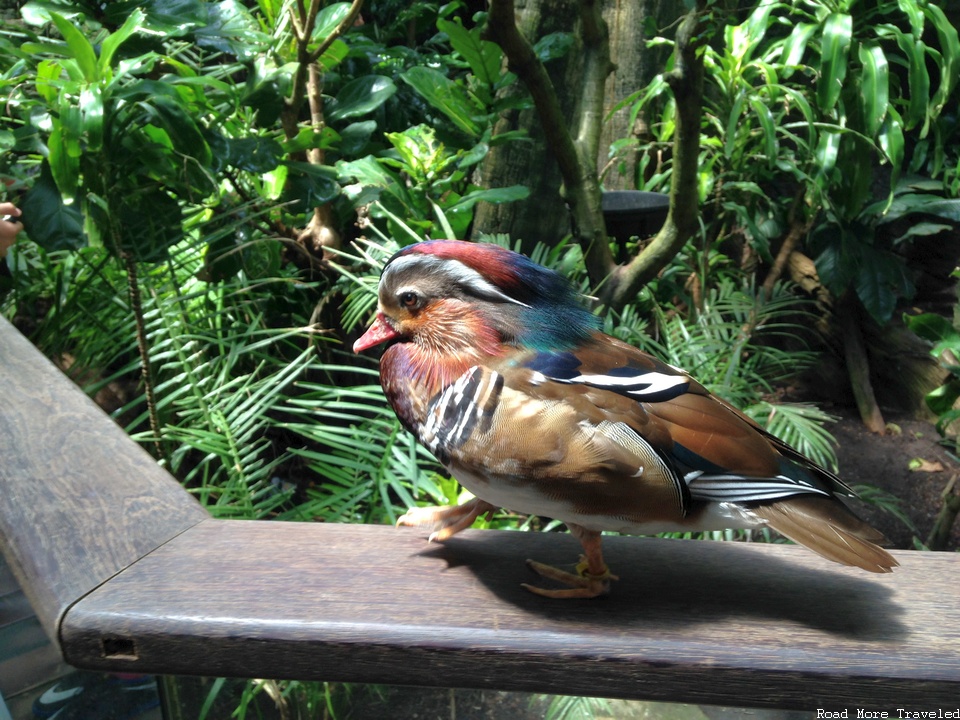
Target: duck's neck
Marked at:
413, 373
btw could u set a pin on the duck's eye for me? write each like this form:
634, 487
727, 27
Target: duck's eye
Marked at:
409, 299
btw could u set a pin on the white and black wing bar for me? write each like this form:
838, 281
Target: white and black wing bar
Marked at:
709, 487
456, 411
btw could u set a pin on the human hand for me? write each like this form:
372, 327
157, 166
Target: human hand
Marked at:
9, 229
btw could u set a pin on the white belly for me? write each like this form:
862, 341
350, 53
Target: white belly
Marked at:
716, 516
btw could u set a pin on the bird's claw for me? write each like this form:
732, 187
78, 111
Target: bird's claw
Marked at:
445, 521
583, 583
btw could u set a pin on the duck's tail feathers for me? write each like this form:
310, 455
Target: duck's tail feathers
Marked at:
827, 527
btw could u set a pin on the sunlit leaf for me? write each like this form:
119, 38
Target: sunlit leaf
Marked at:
446, 96
80, 48
949, 43
91, 110
918, 96
796, 44
874, 87
328, 19
834, 52
483, 56
110, 44
495, 196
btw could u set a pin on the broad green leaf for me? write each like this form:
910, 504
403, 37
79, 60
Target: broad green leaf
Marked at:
48, 80
360, 96
890, 137
912, 10
51, 223
328, 19
354, 137
834, 51
906, 204
748, 35
474, 155
731, 136
949, 43
38, 12
882, 278
827, 150
308, 138
179, 16
334, 55
446, 96
64, 167
767, 127
923, 229
941, 401
874, 87
483, 56
91, 111
948, 417
495, 196
796, 44
109, 46
914, 53
837, 263
71, 127
933, 327
80, 48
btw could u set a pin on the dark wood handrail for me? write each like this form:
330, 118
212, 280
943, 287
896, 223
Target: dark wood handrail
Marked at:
128, 573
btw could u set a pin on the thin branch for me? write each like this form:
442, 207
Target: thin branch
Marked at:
349, 19
686, 81
574, 158
798, 229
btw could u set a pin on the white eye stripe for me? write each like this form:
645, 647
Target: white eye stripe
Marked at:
459, 274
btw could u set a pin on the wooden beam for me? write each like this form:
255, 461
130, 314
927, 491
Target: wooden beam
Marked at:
80, 500
128, 573
722, 623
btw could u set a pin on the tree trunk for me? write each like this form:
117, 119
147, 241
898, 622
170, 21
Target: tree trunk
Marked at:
851, 317
543, 217
635, 65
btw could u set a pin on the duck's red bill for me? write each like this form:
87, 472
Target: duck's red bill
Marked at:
377, 333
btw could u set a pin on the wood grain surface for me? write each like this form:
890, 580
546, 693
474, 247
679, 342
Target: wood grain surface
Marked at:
128, 573
722, 623
79, 500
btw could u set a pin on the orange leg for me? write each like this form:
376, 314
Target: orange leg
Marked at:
592, 577
446, 521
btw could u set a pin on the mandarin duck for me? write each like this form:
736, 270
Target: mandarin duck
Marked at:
495, 366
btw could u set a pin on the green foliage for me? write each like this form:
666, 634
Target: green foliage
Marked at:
567, 707
156, 131
946, 348
132, 123
804, 101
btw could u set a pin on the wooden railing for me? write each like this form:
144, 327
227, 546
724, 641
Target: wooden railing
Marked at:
128, 573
